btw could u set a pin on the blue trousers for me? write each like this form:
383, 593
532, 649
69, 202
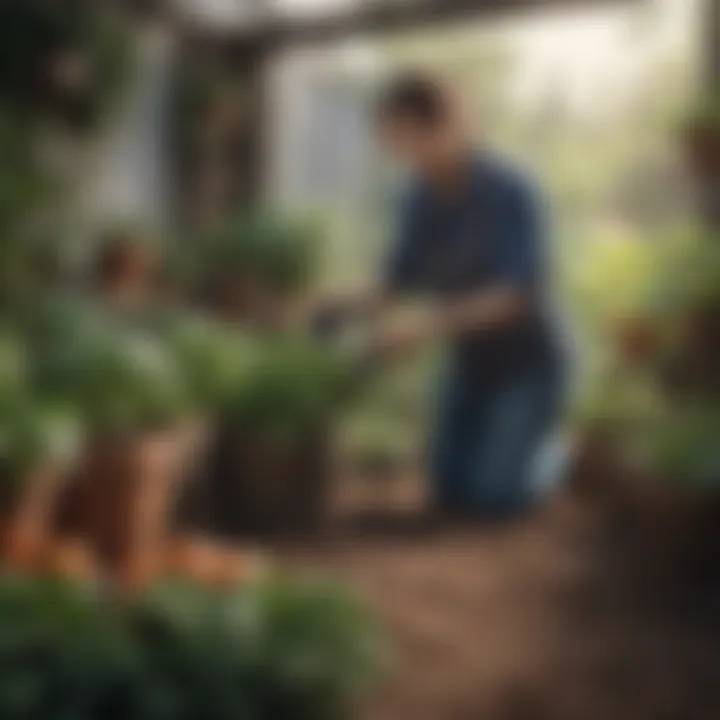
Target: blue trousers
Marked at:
495, 448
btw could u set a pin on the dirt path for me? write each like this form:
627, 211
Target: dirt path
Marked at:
548, 619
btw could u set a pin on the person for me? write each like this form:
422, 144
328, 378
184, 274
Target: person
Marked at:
471, 235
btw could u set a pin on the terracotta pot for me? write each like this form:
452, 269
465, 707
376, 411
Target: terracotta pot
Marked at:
71, 558
637, 341
702, 150
28, 516
128, 491
702, 328
263, 486
205, 561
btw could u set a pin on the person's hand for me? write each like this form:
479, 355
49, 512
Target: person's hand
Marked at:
406, 332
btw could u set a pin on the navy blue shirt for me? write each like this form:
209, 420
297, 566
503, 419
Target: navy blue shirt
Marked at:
491, 233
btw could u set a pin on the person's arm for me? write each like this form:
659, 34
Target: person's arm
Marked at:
372, 303
500, 305
518, 267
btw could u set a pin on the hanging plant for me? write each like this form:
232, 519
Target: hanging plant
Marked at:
61, 61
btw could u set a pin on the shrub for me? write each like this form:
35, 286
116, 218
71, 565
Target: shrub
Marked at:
279, 252
279, 649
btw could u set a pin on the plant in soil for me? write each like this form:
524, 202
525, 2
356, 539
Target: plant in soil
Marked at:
63, 652
294, 390
273, 460
133, 395
272, 649
261, 262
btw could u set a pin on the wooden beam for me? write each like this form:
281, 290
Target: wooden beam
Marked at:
381, 16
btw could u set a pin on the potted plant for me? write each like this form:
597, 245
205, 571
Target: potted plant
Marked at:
701, 136
134, 400
276, 450
278, 648
614, 404
676, 477
261, 264
379, 454
216, 359
638, 340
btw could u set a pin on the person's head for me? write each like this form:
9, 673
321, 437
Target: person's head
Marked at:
420, 123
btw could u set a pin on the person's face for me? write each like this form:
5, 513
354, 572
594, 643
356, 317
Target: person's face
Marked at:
426, 148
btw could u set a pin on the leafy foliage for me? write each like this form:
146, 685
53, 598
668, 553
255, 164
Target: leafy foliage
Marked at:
13, 366
682, 447
62, 653
41, 39
61, 65
33, 434
293, 390
278, 649
216, 360
279, 252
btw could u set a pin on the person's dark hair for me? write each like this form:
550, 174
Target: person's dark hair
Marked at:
413, 96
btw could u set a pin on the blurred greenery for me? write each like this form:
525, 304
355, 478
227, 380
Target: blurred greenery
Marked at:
62, 67
275, 649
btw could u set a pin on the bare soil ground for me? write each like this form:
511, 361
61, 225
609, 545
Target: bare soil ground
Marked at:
554, 617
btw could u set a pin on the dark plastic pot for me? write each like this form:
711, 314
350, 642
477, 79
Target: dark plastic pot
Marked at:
259, 485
